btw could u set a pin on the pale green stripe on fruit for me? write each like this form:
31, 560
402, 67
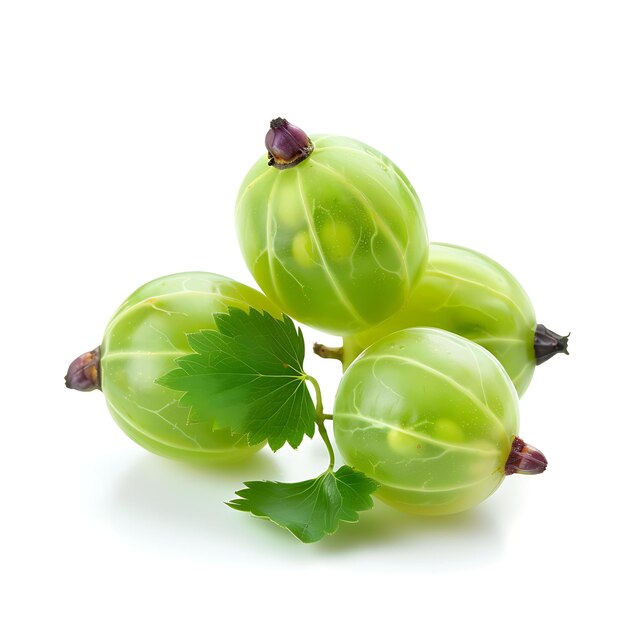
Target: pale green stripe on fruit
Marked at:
253, 182
337, 289
268, 234
436, 490
152, 436
376, 219
192, 292
463, 390
115, 354
433, 272
164, 442
519, 375
419, 436
410, 190
490, 340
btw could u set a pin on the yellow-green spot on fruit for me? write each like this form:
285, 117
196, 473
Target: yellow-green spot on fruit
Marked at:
302, 250
447, 430
289, 215
337, 241
403, 443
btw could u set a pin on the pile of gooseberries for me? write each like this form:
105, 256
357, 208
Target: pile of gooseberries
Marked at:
439, 342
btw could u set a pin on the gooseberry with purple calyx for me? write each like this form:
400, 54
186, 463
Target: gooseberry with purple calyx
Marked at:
328, 224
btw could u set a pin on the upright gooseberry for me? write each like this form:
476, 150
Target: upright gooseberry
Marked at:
433, 418
332, 230
469, 294
141, 343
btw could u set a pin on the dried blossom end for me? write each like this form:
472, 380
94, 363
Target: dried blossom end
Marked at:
548, 343
524, 459
287, 145
83, 373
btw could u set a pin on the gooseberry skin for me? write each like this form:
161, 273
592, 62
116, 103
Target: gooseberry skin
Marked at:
141, 342
337, 241
430, 416
469, 294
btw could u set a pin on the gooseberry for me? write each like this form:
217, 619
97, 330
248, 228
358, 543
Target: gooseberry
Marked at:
469, 294
433, 418
141, 343
332, 230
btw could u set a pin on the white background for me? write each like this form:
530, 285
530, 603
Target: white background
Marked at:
125, 131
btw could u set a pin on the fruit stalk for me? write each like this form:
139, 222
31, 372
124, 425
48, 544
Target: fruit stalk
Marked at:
328, 352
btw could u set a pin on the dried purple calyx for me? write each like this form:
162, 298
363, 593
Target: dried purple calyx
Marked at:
524, 459
287, 145
83, 373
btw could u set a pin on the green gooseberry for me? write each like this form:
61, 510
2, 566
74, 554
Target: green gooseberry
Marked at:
433, 418
333, 232
469, 294
145, 336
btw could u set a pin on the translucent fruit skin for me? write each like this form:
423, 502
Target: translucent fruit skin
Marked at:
429, 415
471, 295
337, 241
142, 341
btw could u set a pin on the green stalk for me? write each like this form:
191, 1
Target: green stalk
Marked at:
319, 420
324, 435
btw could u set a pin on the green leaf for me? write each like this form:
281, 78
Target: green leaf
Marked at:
248, 376
310, 509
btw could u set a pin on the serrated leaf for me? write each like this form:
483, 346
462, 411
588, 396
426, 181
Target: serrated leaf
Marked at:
248, 376
310, 509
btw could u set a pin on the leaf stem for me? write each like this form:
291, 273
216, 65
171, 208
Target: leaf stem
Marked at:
319, 420
319, 409
329, 447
